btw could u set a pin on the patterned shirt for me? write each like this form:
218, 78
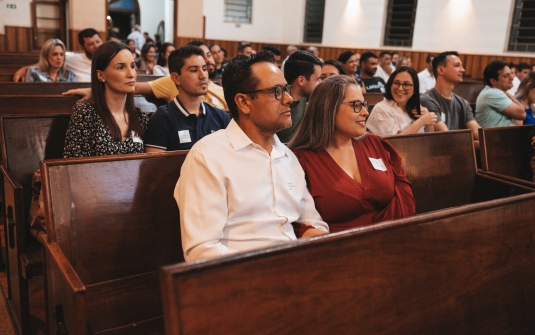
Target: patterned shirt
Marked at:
87, 135
34, 75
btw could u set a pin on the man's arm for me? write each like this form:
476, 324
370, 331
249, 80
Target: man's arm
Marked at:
440, 126
474, 126
202, 199
515, 110
85, 93
20, 75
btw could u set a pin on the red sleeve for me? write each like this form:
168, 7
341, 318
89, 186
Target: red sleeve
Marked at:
402, 204
299, 228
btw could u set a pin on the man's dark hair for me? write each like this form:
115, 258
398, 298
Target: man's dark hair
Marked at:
511, 65
273, 49
523, 66
86, 33
382, 54
344, 56
300, 63
196, 43
238, 77
492, 71
441, 60
365, 56
242, 47
339, 66
177, 58
429, 58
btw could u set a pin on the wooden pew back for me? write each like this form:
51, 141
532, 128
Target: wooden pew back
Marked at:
39, 88
507, 151
432, 162
468, 270
111, 223
470, 92
36, 104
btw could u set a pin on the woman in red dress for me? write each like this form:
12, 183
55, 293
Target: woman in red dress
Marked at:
356, 179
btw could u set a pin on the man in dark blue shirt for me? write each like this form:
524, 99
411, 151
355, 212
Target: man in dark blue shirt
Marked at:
186, 119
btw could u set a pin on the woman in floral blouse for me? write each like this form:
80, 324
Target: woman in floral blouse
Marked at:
110, 124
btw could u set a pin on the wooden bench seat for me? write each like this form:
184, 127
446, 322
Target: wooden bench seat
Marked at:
24, 141
111, 223
466, 270
506, 153
442, 169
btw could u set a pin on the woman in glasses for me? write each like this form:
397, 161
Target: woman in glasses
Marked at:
400, 111
356, 179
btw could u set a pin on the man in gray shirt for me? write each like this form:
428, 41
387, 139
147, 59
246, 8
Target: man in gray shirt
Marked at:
453, 110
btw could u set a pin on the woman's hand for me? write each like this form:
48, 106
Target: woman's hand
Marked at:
426, 117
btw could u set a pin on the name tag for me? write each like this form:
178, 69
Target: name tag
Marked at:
377, 164
135, 138
183, 136
292, 188
215, 101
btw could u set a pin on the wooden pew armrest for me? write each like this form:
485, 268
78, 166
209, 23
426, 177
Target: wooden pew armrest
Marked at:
65, 291
510, 179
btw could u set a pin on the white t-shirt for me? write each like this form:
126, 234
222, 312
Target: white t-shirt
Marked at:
381, 74
80, 65
516, 83
388, 119
427, 81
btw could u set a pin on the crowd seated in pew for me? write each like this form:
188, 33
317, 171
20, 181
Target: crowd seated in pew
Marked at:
508, 152
467, 270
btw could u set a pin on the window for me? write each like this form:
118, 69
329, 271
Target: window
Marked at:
314, 14
238, 11
522, 36
400, 22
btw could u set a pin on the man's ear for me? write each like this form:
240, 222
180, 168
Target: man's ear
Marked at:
492, 82
301, 80
175, 77
242, 102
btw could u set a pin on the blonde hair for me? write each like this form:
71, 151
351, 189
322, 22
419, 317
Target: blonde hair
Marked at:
47, 47
527, 84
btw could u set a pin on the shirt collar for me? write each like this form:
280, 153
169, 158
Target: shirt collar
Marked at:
183, 109
390, 102
239, 140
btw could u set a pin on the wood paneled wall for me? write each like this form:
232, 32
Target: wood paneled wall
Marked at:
16, 39
473, 64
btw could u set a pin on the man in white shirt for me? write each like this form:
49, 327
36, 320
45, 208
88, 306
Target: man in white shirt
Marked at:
240, 188
426, 77
137, 37
384, 70
522, 70
77, 63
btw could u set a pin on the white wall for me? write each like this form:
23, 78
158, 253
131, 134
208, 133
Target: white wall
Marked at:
471, 26
18, 17
189, 18
354, 23
273, 21
151, 12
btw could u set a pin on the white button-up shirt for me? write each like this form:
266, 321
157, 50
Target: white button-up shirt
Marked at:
388, 119
233, 196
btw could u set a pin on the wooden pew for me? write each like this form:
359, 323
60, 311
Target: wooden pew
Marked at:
111, 223
506, 153
24, 141
39, 88
442, 169
373, 98
467, 270
470, 92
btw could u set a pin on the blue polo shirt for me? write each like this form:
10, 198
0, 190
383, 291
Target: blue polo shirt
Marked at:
172, 127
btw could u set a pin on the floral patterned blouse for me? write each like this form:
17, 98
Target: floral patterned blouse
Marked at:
88, 136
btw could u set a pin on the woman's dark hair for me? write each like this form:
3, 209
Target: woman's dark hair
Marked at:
344, 56
161, 58
145, 50
414, 100
317, 128
101, 59
339, 66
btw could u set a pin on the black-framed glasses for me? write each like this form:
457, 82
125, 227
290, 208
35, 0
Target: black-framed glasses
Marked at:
278, 89
357, 105
406, 85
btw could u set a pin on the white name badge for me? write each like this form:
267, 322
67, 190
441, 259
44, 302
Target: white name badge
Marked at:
183, 136
135, 138
377, 164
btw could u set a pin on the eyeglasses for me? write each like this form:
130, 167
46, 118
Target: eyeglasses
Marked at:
279, 91
357, 105
406, 85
